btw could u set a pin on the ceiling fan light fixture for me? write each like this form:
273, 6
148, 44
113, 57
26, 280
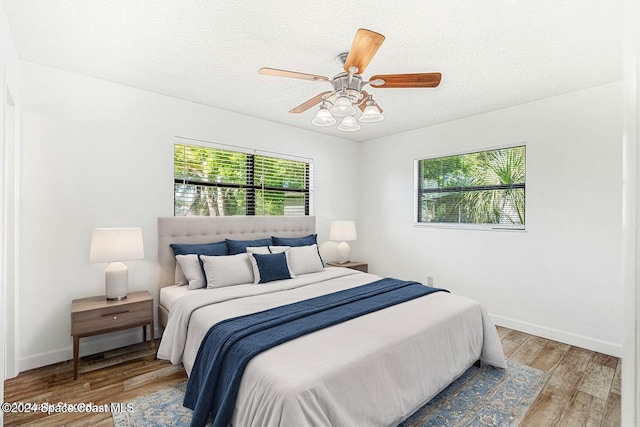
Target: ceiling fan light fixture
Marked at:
348, 96
371, 114
349, 124
343, 106
323, 117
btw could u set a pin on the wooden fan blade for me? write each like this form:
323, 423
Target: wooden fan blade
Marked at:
310, 103
408, 80
364, 104
364, 47
291, 74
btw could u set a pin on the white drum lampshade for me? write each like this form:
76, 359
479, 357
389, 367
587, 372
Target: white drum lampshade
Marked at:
114, 245
343, 231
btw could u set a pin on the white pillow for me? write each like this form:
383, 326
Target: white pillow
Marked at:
180, 280
302, 259
227, 270
258, 250
190, 267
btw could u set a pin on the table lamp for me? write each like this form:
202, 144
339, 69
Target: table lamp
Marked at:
343, 231
114, 245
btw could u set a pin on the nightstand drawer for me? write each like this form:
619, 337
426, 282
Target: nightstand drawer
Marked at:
92, 322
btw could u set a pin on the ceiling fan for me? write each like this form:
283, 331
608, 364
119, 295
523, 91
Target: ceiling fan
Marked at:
348, 94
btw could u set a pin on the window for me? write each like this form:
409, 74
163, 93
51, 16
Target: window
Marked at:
486, 189
219, 182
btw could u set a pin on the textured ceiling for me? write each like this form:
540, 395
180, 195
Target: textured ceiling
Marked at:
492, 53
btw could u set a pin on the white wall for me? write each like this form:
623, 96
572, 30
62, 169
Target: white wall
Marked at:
631, 224
8, 55
97, 154
9, 97
562, 278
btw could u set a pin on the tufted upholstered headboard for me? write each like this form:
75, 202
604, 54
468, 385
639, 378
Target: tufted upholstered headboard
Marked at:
181, 229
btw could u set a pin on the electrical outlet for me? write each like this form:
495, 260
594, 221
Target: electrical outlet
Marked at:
429, 280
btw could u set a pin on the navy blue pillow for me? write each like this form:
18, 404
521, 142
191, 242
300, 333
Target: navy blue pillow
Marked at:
240, 246
272, 267
211, 249
309, 240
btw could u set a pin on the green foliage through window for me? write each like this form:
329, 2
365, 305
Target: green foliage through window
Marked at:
216, 182
486, 187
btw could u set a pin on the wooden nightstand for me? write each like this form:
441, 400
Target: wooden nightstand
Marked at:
354, 265
95, 316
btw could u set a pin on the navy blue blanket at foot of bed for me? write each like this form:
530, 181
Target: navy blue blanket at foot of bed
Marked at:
230, 344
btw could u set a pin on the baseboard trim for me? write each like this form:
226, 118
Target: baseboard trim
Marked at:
89, 345
577, 340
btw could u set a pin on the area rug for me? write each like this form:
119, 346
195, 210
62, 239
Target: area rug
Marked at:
483, 396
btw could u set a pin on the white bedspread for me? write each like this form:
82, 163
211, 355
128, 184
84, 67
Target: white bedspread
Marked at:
374, 370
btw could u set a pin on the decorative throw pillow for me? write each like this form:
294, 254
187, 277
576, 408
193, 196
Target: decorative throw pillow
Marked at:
302, 259
190, 266
258, 250
227, 270
212, 249
311, 239
270, 267
240, 246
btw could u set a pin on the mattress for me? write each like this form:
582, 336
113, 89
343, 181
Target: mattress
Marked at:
169, 294
374, 370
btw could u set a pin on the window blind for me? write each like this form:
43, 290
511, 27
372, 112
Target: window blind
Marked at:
485, 188
212, 181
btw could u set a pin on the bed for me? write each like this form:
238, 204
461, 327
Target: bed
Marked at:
373, 370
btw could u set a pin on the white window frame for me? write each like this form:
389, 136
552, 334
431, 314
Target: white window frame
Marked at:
462, 226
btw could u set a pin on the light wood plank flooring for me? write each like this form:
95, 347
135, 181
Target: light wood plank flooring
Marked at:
583, 388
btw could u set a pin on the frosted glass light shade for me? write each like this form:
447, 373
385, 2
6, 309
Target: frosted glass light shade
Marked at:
323, 117
349, 124
343, 107
371, 114
114, 245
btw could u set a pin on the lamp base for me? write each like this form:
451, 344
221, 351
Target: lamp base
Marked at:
116, 280
343, 252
